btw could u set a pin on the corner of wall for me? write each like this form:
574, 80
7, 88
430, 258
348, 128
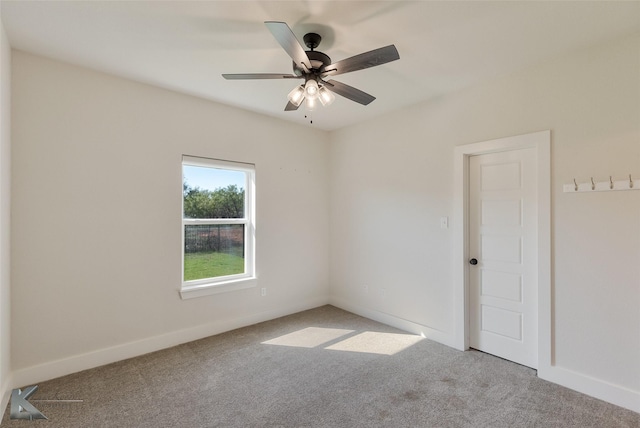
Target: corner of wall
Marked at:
5, 197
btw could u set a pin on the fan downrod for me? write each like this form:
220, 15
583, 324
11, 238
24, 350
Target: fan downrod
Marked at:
312, 40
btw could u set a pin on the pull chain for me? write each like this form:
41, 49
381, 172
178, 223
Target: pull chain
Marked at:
310, 117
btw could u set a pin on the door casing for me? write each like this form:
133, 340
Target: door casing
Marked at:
541, 141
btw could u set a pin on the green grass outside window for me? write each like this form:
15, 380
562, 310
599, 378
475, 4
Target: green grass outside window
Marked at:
211, 264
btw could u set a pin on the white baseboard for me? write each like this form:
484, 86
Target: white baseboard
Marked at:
6, 394
597, 388
100, 357
392, 320
593, 387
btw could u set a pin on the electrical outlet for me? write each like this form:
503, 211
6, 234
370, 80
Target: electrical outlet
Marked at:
444, 222
263, 291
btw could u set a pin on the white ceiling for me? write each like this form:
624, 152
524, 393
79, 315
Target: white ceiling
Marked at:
186, 46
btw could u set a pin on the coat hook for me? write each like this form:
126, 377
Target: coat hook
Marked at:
630, 182
574, 182
593, 185
610, 183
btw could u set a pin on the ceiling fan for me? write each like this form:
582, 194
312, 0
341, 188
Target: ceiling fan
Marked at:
314, 67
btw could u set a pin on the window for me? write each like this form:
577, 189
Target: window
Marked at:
217, 226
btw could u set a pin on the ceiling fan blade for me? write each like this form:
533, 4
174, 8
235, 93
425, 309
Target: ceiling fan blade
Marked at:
291, 107
242, 76
289, 43
364, 60
349, 92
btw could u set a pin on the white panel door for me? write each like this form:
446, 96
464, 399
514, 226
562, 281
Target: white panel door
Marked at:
503, 285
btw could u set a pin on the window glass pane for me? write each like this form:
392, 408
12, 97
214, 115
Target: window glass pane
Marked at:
213, 192
213, 250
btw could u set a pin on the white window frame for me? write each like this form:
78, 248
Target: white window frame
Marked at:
222, 284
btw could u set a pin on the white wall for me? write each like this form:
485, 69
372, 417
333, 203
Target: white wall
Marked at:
96, 217
5, 198
391, 181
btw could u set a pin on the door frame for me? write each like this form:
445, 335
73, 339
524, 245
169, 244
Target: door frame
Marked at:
541, 141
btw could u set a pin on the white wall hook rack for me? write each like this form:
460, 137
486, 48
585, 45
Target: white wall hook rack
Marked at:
601, 186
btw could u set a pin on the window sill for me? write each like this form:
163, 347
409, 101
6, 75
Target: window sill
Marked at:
217, 287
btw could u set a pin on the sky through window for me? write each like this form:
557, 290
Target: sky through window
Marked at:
211, 178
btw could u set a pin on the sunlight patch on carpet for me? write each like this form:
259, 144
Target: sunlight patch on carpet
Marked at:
370, 342
376, 343
310, 337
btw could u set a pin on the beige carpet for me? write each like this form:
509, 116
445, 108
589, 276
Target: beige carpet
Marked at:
320, 368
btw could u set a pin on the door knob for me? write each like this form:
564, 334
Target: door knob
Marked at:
473, 262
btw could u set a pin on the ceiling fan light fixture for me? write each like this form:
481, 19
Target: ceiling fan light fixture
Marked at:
297, 95
311, 103
326, 96
311, 88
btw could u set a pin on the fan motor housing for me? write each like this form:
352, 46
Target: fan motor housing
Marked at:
317, 59
318, 62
